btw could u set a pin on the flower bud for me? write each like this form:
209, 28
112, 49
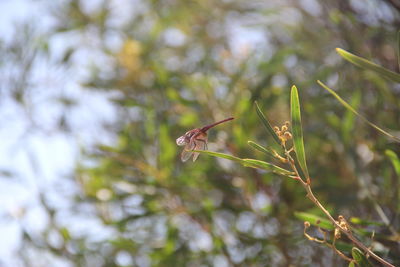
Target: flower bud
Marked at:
287, 135
337, 233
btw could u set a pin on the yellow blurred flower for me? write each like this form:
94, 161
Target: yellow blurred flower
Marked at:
129, 56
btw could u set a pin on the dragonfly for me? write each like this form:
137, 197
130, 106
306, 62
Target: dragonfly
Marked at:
196, 139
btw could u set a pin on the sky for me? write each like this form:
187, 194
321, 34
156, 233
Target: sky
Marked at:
40, 159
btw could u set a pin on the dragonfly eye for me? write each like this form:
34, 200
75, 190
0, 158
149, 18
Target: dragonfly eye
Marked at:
181, 141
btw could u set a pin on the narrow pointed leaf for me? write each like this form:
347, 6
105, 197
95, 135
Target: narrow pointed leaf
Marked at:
267, 124
398, 48
368, 65
360, 258
259, 164
297, 131
363, 222
343, 247
298, 168
314, 220
349, 118
252, 163
220, 155
395, 161
261, 148
346, 105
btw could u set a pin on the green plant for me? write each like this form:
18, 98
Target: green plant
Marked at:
294, 158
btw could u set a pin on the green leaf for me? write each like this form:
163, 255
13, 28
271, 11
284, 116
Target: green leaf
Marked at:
261, 148
398, 48
298, 168
65, 233
395, 161
220, 155
259, 164
314, 220
359, 221
368, 65
360, 258
349, 118
297, 131
343, 247
252, 163
352, 264
267, 124
346, 105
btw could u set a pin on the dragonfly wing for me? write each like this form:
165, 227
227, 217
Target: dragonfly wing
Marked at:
188, 151
200, 144
195, 156
186, 154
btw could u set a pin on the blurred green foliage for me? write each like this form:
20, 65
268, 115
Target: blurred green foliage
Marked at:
178, 65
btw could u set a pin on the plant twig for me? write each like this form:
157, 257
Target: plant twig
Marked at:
343, 228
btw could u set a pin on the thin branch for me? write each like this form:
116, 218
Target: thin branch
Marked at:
344, 229
347, 232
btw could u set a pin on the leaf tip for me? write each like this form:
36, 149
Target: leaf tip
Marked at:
339, 50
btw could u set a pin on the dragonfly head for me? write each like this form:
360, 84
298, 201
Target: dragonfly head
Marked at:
190, 134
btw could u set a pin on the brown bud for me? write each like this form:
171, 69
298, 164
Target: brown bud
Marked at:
287, 124
337, 233
284, 128
276, 129
343, 223
306, 224
287, 135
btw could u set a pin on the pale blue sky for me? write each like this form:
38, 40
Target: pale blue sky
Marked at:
54, 154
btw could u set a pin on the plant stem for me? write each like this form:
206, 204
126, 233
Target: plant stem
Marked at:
347, 232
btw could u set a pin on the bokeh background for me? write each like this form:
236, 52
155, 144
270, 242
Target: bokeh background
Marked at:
94, 93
